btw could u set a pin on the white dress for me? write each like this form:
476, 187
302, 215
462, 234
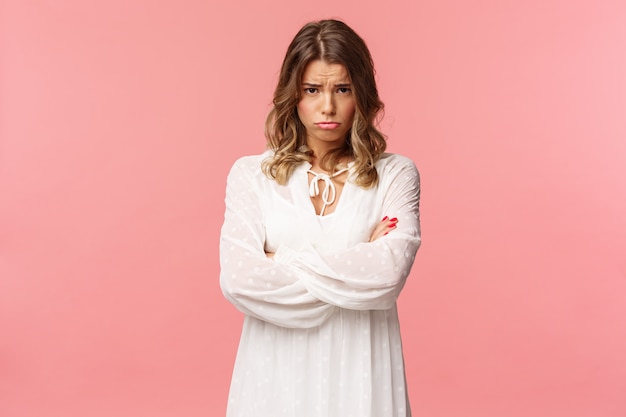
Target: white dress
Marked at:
321, 336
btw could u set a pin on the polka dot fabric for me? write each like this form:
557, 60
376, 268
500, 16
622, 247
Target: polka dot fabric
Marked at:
321, 336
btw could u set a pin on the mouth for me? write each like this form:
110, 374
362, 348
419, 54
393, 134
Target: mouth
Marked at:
328, 125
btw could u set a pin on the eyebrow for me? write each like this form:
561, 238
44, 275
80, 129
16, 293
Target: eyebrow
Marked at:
320, 85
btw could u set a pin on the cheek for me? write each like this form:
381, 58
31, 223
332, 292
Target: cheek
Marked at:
304, 110
350, 110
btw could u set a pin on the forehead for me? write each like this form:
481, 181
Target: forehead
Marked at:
320, 70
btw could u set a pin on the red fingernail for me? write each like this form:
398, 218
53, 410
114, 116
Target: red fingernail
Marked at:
392, 225
386, 233
385, 218
395, 219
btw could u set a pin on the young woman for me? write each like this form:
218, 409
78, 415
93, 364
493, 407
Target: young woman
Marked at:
304, 252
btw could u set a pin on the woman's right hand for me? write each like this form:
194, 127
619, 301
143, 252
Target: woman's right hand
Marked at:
385, 226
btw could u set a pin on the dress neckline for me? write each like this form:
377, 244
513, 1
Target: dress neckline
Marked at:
329, 193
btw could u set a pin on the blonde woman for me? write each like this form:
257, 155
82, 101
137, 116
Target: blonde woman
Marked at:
319, 236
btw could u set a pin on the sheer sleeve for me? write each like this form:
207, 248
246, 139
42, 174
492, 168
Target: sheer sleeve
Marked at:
256, 285
370, 275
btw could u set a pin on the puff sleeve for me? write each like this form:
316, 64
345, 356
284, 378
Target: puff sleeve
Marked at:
255, 284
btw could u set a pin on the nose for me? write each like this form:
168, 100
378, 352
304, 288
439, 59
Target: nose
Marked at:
328, 105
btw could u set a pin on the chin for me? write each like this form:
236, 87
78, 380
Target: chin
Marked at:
333, 140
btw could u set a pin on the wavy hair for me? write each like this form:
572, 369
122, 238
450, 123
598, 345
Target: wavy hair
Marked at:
335, 43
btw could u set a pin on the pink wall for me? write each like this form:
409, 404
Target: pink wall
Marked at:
119, 121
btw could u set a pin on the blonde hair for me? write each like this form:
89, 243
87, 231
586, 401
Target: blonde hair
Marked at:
336, 43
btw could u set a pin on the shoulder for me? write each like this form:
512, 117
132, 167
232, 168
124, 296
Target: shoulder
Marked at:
398, 177
251, 162
391, 164
250, 165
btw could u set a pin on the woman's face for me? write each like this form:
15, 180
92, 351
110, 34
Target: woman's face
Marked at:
326, 108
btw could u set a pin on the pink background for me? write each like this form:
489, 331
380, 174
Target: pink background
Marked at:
119, 121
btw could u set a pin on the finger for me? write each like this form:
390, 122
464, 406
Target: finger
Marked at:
391, 227
382, 228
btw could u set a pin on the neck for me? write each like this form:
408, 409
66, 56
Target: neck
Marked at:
321, 149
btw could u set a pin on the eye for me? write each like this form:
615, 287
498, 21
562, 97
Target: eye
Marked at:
310, 90
343, 90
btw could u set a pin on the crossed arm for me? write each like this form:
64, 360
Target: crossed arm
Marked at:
301, 288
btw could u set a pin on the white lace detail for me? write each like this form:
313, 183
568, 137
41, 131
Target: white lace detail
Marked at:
330, 192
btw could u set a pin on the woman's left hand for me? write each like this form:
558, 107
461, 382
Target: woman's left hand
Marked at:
385, 226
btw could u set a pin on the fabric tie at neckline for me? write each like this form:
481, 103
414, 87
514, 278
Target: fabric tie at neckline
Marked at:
329, 193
